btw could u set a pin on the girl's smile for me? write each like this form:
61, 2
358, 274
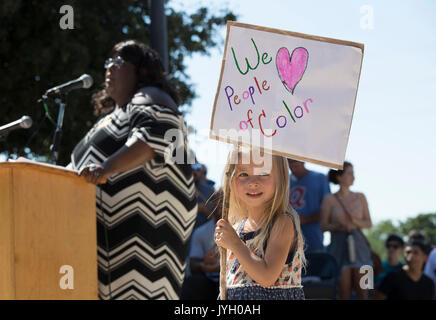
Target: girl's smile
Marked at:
254, 195
254, 190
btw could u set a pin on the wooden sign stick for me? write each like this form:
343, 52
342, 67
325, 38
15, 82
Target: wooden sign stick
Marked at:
223, 251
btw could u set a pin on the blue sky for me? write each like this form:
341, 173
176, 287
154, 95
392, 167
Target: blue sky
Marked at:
392, 138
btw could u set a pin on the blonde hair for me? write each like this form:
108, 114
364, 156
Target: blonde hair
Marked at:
278, 205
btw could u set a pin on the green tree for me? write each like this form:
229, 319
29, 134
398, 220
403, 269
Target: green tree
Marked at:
378, 234
426, 222
36, 54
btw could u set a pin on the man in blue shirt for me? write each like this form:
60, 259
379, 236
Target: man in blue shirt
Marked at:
308, 189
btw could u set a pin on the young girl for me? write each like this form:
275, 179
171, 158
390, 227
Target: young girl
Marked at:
263, 236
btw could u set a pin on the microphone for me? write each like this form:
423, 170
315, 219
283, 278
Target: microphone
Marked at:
25, 123
84, 81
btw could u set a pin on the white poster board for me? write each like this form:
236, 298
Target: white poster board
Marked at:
297, 90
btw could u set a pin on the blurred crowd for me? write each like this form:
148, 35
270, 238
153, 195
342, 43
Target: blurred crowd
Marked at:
336, 271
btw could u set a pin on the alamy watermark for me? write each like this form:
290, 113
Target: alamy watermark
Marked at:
67, 280
254, 147
67, 20
367, 280
367, 21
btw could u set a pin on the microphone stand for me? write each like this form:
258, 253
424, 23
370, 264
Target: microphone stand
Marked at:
54, 148
6, 146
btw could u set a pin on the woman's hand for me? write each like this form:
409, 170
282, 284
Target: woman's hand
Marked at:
209, 267
353, 224
339, 226
95, 173
226, 236
350, 226
212, 256
346, 226
211, 261
125, 159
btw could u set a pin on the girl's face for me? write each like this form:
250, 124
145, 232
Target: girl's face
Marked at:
347, 178
254, 190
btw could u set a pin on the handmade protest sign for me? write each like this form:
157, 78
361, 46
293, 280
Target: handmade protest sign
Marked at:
298, 91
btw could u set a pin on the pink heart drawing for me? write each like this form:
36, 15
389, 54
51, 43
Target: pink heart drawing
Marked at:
291, 69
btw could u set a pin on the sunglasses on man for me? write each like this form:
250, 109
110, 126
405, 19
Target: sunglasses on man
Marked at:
392, 245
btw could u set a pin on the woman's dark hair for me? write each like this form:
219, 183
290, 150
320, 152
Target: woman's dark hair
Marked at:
333, 174
416, 234
424, 246
149, 69
395, 238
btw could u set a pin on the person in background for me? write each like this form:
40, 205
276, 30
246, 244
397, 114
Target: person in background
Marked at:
344, 214
204, 191
394, 246
307, 191
409, 283
146, 205
204, 258
430, 268
416, 234
204, 178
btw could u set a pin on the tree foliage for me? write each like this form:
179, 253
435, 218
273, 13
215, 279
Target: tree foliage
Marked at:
36, 54
425, 222
378, 234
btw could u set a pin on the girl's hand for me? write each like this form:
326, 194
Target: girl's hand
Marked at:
226, 236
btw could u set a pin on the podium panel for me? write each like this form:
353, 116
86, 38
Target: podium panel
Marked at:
48, 245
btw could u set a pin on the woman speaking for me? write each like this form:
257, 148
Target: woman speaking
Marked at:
146, 204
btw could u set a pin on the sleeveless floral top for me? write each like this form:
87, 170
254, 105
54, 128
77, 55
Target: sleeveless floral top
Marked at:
290, 276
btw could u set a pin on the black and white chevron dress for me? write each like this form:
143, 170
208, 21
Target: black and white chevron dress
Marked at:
144, 216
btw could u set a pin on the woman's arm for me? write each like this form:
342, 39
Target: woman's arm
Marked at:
365, 222
264, 271
125, 159
326, 211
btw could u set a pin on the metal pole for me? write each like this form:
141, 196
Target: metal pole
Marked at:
58, 133
159, 35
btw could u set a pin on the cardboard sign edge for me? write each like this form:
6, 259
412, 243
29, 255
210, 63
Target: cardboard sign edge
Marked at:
295, 34
279, 153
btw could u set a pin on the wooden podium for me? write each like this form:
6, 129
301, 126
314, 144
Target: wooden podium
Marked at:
48, 241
